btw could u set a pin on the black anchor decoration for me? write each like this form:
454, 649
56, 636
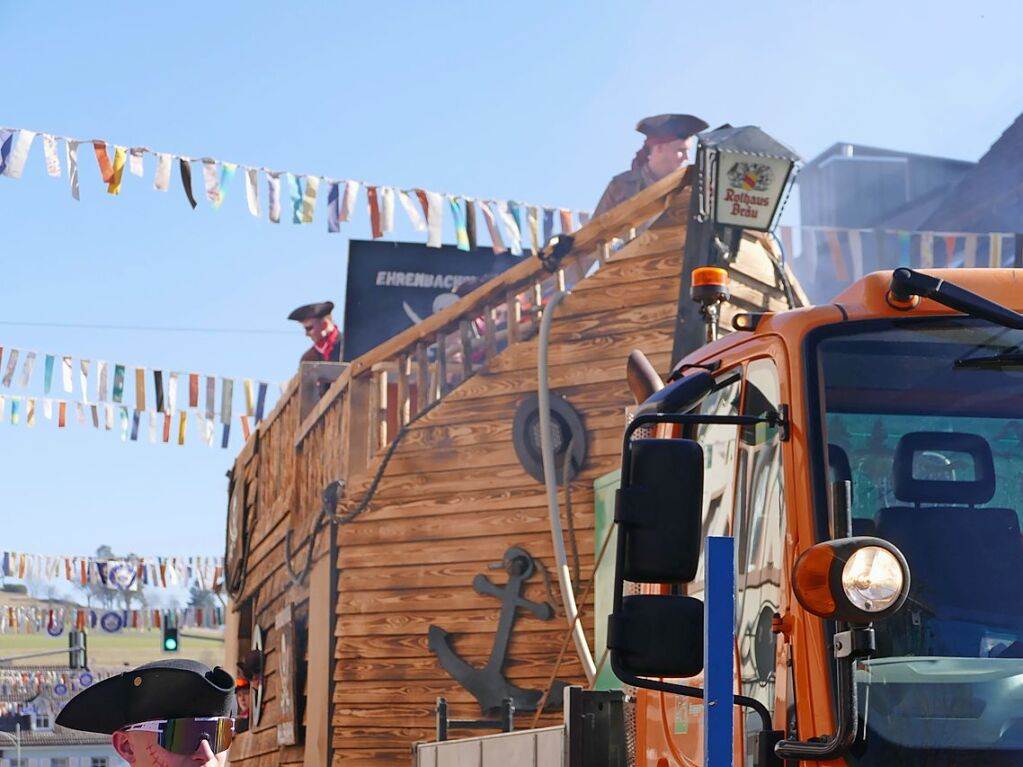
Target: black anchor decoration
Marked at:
488, 684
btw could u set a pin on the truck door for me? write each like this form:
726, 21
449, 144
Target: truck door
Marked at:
758, 527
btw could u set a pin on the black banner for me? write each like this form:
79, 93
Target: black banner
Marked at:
392, 286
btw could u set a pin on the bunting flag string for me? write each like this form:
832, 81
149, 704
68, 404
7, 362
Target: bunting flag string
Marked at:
102, 417
117, 573
108, 405
851, 253
302, 188
56, 620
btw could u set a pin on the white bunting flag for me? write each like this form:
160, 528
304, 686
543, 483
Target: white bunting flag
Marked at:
211, 179
109, 420
71, 147
511, 228
495, 232
50, 155
970, 250
12, 365
83, 378
434, 219
48, 409
26, 369
926, 250
413, 212
172, 393
65, 373
273, 196
152, 426
135, 161
856, 253
161, 181
533, 220
252, 190
101, 377
995, 250
16, 160
386, 209
348, 201
80, 408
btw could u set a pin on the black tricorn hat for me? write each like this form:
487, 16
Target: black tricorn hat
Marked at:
164, 689
671, 126
312, 311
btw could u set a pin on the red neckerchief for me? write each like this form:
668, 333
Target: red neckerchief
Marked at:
328, 344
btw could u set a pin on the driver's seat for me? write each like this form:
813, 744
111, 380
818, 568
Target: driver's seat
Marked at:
965, 559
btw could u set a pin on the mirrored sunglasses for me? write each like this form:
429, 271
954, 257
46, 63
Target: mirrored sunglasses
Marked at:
183, 736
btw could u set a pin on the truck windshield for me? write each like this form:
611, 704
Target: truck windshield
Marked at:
934, 452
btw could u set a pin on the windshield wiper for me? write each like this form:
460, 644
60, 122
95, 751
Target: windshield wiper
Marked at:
1006, 359
907, 284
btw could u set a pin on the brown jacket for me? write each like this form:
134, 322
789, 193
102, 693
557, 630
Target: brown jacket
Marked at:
622, 187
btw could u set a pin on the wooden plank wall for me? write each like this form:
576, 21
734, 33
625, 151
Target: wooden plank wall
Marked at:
454, 498
271, 470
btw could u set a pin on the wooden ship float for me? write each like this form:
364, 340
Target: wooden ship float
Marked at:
385, 538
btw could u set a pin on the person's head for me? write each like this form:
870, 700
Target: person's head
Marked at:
669, 142
668, 155
174, 713
315, 319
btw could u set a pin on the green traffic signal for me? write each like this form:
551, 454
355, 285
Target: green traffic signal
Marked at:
170, 640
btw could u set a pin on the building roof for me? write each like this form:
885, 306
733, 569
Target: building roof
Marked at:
989, 198
849, 149
62, 736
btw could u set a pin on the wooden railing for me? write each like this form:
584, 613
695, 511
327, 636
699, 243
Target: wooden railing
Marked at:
383, 390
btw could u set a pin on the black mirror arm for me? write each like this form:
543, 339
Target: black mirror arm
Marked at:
850, 646
907, 284
689, 419
689, 692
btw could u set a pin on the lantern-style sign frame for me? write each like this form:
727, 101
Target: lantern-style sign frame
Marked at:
745, 177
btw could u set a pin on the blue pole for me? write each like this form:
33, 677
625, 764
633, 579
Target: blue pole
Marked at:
718, 651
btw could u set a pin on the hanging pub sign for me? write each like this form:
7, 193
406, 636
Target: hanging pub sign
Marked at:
394, 285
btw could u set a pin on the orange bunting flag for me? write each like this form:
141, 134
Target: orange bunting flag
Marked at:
374, 212
105, 168
246, 431
950, 248
841, 272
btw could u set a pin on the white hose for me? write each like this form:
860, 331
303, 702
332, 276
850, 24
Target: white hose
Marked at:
550, 479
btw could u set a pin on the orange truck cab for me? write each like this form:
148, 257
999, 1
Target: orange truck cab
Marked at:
867, 458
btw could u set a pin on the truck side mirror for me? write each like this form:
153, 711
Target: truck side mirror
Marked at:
658, 511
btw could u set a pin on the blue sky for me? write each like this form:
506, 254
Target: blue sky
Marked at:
531, 101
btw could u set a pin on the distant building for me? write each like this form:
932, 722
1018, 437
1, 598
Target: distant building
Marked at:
28, 718
851, 186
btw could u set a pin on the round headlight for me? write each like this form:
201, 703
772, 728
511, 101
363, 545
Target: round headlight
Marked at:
856, 580
872, 579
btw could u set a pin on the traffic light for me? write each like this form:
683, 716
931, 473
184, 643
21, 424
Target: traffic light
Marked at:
170, 639
78, 656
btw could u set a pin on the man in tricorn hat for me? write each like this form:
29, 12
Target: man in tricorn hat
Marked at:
667, 147
322, 331
169, 713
